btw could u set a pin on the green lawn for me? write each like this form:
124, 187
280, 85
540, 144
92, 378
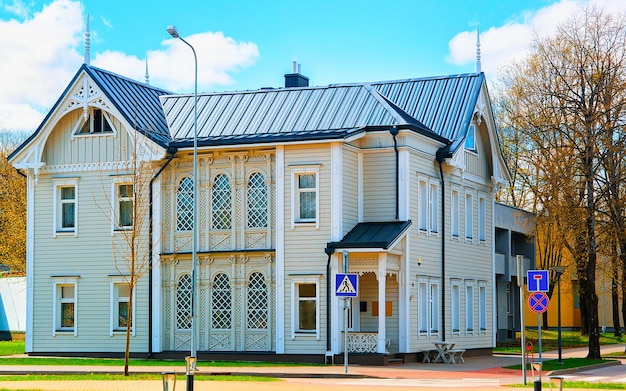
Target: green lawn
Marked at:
549, 341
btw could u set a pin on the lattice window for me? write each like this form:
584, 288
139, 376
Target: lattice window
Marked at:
221, 303
183, 302
222, 203
257, 302
184, 205
257, 201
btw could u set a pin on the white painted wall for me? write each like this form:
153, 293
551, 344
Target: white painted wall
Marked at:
13, 304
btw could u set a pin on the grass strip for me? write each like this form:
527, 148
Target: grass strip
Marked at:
132, 376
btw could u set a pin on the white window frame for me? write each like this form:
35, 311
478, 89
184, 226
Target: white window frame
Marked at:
57, 205
57, 283
296, 172
296, 281
469, 217
177, 205
433, 309
455, 214
482, 219
470, 139
433, 204
115, 201
469, 308
422, 205
423, 307
482, 307
455, 307
115, 283
105, 117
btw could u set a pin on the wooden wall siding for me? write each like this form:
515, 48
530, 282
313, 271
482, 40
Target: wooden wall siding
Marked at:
368, 292
379, 173
62, 149
238, 166
479, 163
350, 189
238, 338
89, 255
304, 244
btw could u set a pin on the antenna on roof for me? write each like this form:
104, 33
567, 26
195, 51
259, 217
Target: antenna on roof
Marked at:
478, 70
147, 74
87, 43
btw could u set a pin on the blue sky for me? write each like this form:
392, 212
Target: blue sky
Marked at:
244, 44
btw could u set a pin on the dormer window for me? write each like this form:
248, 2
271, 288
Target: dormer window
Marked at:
97, 123
470, 139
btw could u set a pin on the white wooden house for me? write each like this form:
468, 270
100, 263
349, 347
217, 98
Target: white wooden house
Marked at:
399, 177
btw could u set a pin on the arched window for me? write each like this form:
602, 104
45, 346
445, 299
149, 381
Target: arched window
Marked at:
221, 303
222, 202
257, 201
257, 302
183, 302
184, 205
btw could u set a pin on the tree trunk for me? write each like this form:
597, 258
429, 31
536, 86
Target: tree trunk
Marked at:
617, 328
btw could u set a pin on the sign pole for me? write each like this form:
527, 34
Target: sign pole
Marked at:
345, 318
520, 283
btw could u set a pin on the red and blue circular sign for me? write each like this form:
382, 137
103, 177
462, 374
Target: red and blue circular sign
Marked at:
538, 302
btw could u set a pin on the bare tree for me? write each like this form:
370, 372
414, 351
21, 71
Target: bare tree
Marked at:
568, 97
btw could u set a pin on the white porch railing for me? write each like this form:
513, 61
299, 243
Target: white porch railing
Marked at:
362, 342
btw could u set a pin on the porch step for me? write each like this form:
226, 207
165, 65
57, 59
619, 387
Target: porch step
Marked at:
395, 360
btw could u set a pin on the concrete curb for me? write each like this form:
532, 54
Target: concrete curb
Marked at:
569, 371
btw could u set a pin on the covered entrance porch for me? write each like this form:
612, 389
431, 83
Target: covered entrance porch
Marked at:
376, 252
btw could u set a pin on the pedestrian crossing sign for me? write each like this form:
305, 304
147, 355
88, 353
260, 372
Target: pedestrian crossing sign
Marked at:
346, 285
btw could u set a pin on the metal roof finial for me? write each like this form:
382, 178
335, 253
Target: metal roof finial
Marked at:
478, 65
147, 74
87, 43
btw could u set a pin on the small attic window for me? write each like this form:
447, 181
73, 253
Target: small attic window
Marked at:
470, 139
97, 123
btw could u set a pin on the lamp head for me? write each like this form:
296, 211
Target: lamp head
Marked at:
173, 31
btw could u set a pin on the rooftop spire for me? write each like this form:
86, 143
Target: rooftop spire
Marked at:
87, 43
147, 74
478, 70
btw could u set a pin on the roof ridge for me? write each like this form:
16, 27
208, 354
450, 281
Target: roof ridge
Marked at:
96, 70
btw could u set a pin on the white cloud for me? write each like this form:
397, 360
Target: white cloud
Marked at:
173, 67
45, 49
501, 45
42, 57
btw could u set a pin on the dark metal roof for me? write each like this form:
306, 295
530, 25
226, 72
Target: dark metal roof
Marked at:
439, 107
372, 235
138, 102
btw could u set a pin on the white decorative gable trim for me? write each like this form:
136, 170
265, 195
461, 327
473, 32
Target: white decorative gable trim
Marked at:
84, 95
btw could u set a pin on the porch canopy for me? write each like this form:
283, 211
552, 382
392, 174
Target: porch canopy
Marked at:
379, 238
376, 235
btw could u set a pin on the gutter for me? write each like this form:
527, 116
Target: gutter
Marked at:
440, 156
329, 251
172, 152
394, 133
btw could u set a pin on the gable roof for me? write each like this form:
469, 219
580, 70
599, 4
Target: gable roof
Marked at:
137, 102
372, 235
438, 107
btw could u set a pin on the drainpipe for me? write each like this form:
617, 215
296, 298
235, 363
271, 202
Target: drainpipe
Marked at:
394, 132
172, 152
329, 251
441, 155
21, 173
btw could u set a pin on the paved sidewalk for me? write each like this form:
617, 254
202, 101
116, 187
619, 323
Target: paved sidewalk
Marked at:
485, 368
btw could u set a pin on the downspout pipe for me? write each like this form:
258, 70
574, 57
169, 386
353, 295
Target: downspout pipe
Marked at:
172, 152
329, 252
394, 132
21, 173
440, 156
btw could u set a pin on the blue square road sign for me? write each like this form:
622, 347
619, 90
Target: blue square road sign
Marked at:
346, 285
538, 281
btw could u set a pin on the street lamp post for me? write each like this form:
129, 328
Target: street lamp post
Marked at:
191, 360
559, 272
